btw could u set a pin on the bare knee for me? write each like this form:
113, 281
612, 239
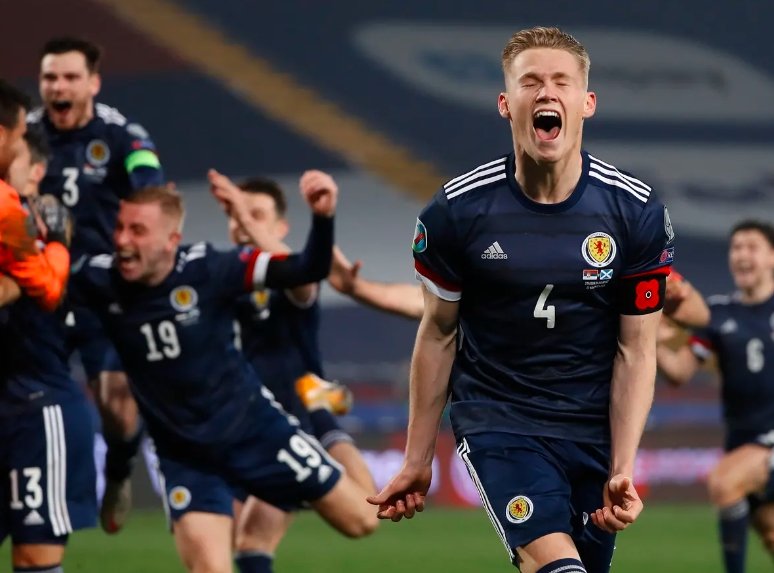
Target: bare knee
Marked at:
362, 526
721, 492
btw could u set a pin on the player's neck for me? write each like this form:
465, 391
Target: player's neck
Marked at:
161, 273
548, 183
759, 293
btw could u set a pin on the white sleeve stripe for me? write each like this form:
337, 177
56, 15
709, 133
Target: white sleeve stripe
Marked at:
439, 291
260, 268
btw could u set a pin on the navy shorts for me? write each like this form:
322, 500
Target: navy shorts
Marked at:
86, 336
283, 466
48, 474
532, 486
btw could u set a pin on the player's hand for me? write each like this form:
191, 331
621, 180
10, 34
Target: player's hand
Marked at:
343, 275
677, 290
56, 219
320, 192
405, 494
622, 505
228, 195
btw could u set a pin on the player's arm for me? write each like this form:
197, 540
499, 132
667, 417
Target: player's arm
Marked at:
41, 274
9, 290
431, 365
279, 270
398, 298
684, 304
141, 159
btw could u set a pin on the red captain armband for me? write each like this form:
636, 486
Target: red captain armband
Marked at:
643, 293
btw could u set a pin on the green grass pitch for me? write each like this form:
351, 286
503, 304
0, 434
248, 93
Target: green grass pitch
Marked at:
666, 539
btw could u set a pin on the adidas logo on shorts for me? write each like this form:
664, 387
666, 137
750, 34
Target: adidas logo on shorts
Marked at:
494, 251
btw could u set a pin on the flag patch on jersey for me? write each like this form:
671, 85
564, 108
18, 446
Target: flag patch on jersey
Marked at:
598, 249
519, 509
590, 274
420, 238
667, 255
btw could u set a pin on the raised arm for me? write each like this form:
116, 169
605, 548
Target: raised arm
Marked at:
431, 365
403, 299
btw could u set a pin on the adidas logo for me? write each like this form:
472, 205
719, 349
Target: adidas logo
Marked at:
495, 251
34, 518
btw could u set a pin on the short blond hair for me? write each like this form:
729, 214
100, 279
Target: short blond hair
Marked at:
541, 37
170, 201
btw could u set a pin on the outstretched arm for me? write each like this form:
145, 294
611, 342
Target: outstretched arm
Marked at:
402, 299
684, 304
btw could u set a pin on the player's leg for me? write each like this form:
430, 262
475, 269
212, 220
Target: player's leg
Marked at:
763, 521
198, 502
51, 485
260, 528
203, 541
525, 491
740, 472
121, 427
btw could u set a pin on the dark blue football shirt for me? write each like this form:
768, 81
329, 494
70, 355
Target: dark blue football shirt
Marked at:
539, 293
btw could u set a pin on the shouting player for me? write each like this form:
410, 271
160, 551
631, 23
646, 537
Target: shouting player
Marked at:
98, 157
739, 333
544, 273
218, 432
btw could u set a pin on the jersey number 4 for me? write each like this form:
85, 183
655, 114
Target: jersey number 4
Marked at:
543, 311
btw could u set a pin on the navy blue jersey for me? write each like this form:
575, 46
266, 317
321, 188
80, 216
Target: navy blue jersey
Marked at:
176, 339
742, 337
279, 337
34, 371
540, 293
92, 168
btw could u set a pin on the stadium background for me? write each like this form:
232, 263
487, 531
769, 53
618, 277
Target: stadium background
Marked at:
392, 97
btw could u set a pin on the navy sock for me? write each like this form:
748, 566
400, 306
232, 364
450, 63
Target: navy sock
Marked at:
253, 562
733, 535
120, 456
326, 429
563, 566
45, 569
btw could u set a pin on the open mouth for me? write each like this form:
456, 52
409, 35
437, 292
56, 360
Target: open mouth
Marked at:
127, 258
547, 124
62, 105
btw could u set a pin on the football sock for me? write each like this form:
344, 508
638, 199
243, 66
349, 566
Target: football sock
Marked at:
253, 562
733, 535
45, 569
120, 455
563, 566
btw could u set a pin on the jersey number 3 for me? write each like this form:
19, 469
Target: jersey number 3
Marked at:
70, 196
543, 311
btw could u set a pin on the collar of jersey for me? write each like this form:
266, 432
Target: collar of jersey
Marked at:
577, 193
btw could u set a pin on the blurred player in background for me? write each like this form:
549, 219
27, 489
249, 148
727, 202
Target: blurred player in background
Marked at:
98, 158
218, 432
544, 273
739, 334
46, 433
279, 336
